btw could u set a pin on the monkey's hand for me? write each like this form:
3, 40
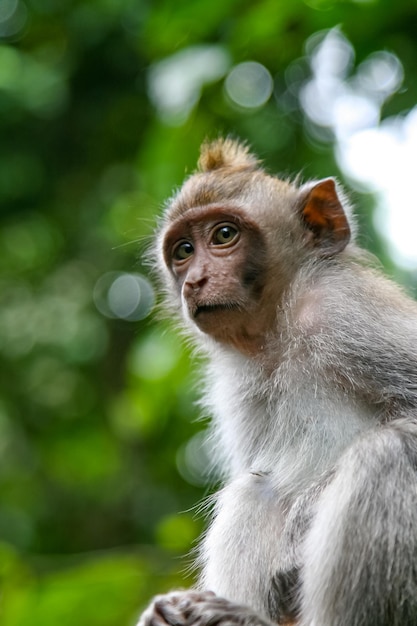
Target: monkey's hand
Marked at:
195, 608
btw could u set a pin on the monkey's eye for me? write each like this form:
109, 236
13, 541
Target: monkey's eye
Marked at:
183, 251
224, 235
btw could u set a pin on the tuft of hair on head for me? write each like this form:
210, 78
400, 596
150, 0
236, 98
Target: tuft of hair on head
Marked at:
226, 152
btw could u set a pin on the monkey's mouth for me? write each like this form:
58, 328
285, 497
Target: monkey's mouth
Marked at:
214, 308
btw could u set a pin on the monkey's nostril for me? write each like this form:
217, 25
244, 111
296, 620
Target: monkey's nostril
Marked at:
194, 286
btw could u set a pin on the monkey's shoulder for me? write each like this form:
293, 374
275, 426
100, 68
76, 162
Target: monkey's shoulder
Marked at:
352, 296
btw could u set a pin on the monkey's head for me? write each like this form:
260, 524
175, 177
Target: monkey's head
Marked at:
233, 238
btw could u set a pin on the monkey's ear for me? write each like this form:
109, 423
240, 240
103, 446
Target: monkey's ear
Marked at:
323, 214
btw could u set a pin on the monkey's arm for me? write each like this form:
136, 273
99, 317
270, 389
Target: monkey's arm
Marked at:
360, 552
189, 608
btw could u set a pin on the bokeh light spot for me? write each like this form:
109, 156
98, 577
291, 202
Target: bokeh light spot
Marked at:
193, 460
249, 85
124, 296
175, 83
380, 74
7, 8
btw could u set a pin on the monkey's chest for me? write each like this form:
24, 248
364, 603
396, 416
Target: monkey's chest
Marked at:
244, 549
295, 435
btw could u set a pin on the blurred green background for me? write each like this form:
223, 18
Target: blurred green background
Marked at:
103, 105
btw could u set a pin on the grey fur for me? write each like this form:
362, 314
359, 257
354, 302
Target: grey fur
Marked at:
317, 441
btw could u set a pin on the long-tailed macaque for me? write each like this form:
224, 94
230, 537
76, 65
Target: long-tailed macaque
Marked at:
312, 386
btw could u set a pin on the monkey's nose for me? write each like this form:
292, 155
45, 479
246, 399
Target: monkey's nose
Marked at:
193, 286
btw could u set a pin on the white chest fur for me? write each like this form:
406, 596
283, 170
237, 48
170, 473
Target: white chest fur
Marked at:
289, 425
277, 441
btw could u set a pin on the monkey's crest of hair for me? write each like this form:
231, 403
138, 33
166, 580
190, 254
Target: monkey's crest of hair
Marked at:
226, 152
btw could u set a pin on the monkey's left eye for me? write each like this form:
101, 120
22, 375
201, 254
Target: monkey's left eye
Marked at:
224, 235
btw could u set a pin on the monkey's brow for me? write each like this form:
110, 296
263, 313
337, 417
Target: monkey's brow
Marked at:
215, 213
211, 212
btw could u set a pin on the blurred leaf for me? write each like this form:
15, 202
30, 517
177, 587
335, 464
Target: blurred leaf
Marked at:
102, 591
177, 533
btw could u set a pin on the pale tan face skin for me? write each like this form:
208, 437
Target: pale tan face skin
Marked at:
218, 260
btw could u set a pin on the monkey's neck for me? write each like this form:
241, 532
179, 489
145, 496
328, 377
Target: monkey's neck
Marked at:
286, 423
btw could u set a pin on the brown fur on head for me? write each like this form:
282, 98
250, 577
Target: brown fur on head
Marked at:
228, 173
226, 153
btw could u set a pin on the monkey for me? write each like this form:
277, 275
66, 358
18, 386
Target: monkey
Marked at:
311, 384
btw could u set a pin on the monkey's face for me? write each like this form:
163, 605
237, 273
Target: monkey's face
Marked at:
217, 259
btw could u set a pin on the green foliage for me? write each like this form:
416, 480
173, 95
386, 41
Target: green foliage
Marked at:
100, 457
97, 591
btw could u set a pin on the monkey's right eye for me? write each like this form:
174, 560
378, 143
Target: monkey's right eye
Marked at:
183, 251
